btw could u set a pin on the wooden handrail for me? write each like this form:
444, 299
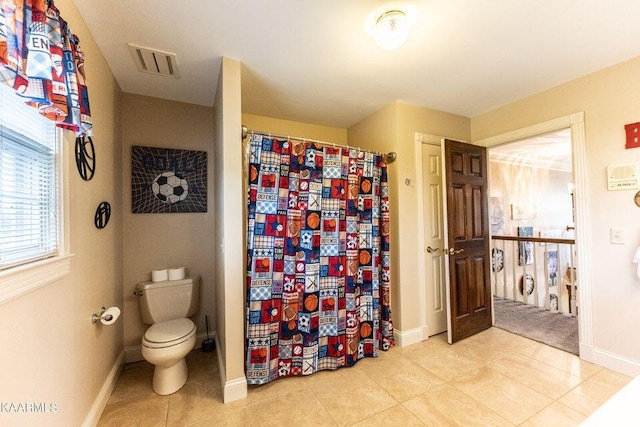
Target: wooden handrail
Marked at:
534, 239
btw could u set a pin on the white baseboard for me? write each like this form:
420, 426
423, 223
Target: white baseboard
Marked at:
234, 389
615, 362
134, 353
99, 404
412, 336
586, 353
425, 333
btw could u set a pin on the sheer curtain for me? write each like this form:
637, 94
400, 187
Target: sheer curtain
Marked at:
318, 258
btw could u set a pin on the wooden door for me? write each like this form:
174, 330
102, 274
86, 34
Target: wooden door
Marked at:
468, 239
435, 274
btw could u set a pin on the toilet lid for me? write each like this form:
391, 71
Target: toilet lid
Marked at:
171, 330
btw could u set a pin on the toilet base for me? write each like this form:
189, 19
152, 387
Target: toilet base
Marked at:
169, 379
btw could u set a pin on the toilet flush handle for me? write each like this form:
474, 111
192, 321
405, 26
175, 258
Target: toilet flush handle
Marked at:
137, 293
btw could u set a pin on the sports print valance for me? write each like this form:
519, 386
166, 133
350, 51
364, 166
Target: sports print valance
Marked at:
41, 59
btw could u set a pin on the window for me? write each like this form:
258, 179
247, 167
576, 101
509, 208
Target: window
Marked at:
29, 183
33, 229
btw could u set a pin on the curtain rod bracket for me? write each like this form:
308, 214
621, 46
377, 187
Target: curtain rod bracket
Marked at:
390, 157
245, 132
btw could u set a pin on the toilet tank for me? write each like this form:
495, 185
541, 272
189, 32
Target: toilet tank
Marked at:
169, 300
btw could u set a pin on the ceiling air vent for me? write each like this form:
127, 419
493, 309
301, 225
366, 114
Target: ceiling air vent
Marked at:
155, 61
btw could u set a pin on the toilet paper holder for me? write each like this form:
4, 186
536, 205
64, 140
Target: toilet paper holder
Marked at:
95, 317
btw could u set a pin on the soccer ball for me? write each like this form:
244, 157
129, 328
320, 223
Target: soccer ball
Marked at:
169, 187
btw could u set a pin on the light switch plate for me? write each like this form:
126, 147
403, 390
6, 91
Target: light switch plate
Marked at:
616, 236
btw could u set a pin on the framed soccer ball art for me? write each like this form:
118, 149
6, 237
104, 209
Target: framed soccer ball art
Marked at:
165, 180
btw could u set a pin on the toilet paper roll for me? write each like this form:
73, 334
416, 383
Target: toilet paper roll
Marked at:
110, 316
159, 275
176, 273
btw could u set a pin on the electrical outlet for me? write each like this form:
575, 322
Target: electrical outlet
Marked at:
616, 236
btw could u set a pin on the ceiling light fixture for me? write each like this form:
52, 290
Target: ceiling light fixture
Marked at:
392, 29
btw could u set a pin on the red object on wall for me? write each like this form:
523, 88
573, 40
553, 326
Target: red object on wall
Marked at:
633, 135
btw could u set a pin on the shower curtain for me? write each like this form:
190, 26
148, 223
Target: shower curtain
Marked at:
317, 259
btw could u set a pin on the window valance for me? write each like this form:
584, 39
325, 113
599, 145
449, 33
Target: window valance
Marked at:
41, 59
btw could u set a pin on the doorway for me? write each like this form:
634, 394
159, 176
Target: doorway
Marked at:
576, 123
456, 238
533, 239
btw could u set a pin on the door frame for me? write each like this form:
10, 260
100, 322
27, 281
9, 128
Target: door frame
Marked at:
579, 157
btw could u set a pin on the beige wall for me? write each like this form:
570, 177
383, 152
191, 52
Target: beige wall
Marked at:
545, 191
393, 128
155, 241
230, 230
292, 128
51, 352
609, 99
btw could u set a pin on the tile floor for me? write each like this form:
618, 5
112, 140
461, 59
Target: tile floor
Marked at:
492, 379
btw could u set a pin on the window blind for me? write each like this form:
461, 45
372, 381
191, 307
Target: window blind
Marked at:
28, 182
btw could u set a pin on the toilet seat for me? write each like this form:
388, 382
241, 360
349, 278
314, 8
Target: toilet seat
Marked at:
169, 333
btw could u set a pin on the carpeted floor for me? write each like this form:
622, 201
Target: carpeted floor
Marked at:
554, 329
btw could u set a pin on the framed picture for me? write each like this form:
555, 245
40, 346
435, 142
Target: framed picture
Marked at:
496, 211
165, 180
523, 211
525, 249
552, 267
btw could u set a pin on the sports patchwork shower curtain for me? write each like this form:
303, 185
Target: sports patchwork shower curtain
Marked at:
318, 258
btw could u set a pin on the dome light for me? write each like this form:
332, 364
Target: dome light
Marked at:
392, 29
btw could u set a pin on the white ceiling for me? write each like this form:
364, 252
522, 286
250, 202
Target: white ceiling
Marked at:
548, 151
313, 61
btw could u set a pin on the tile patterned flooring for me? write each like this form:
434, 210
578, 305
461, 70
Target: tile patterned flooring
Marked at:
492, 379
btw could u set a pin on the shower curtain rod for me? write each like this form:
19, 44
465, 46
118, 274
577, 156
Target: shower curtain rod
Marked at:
388, 157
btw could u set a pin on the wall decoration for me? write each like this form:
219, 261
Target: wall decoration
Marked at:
523, 211
552, 268
497, 259
525, 249
165, 180
633, 135
497, 215
85, 157
528, 280
102, 216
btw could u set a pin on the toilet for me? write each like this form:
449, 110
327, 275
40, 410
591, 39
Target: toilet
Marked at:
167, 306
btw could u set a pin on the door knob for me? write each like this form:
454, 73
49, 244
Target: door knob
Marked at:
452, 251
432, 250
